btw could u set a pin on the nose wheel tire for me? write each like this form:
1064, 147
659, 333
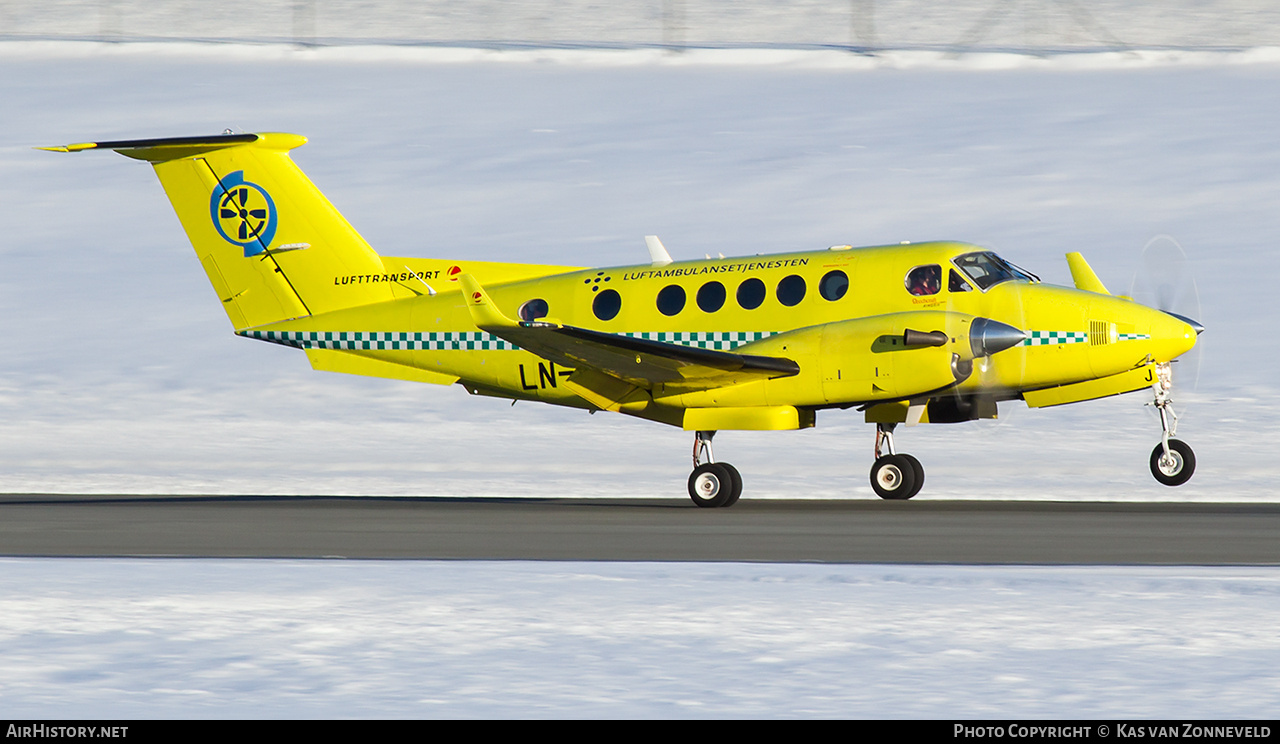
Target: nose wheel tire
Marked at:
715, 484
897, 477
1178, 467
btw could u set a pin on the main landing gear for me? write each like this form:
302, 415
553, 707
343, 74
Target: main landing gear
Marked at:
712, 483
1172, 461
894, 476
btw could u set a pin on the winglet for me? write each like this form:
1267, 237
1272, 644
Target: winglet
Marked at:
484, 313
657, 251
1083, 275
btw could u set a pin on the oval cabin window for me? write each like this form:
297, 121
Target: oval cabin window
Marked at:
751, 294
834, 285
791, 290
711, 297
671, 299
607, 304
534, 309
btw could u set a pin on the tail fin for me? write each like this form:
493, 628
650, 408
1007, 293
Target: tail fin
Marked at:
270, 242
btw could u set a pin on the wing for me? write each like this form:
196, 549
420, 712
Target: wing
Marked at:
638, 362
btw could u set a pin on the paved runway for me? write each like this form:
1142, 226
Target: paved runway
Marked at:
863, 531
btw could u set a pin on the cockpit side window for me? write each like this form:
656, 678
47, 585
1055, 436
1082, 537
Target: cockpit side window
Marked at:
986, 269
955, 283
924, 280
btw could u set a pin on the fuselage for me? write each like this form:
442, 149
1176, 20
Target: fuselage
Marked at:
757, 305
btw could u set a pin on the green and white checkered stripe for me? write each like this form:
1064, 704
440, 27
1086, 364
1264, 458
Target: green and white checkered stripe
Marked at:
473, 340
1052, 338
349, 340
718, 341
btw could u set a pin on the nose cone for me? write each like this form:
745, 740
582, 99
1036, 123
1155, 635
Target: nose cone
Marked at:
987, 336
1172, 335
1195, 324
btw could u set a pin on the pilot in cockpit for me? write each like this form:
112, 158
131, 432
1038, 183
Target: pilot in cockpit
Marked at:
925, 280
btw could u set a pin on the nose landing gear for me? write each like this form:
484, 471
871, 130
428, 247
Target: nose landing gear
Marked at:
1172, 461
894, 476
712, 484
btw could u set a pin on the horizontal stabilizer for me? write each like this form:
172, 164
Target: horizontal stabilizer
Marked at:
159, 150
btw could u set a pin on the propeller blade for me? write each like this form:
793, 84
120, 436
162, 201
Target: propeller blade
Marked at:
1164, 280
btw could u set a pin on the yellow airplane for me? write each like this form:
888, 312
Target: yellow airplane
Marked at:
934, 332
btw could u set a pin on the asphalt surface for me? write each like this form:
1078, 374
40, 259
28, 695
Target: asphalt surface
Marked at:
863, 531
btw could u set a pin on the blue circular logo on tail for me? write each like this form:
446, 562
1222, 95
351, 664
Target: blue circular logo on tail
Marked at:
244, 213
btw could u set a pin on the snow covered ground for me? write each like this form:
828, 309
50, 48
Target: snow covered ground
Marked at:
177, 639
120, 373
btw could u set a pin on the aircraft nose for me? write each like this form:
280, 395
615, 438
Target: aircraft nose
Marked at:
1195, 324
1173, 335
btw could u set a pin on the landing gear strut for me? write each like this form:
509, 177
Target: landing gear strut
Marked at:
1172, 461
712, 484
894, 476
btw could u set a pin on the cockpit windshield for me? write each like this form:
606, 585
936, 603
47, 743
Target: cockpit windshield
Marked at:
986, 269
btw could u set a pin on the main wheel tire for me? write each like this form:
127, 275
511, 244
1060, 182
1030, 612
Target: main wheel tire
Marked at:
736, 491
1178, 468
710, 485
893, 477
919, 470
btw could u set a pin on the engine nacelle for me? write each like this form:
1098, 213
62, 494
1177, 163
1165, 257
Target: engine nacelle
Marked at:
895, 356
889, 357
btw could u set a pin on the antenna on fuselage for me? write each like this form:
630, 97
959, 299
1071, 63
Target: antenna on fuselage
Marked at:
430, 290
657, 251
